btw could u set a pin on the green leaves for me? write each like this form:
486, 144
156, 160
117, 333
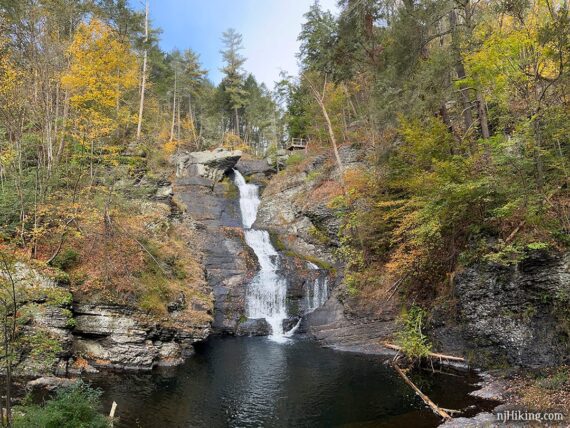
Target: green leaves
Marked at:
73, 407
411, 338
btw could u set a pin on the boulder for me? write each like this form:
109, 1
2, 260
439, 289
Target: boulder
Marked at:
211, 165
164, 192
254, 166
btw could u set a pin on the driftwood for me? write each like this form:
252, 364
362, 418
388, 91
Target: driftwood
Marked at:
514, 232
437, 410
431, 354
112, 413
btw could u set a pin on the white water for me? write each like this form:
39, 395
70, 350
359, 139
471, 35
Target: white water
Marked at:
267, 292
317, 290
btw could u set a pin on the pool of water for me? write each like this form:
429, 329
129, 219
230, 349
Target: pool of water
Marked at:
255, 382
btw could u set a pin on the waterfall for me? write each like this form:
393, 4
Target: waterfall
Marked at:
267, 292
317, 290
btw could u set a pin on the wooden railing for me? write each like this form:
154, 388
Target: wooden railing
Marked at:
296, 144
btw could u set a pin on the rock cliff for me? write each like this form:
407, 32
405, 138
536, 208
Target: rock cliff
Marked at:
205, 189
511, 315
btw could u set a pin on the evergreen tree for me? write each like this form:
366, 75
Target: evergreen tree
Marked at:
232, 84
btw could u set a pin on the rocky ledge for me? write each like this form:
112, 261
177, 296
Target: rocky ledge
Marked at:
120, 337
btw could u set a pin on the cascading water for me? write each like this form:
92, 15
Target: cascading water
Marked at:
317, 291
267, 292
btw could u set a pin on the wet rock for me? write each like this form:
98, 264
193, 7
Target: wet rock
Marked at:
290, 323
253, 327
482, 420
228, 261
491, 388
337, 325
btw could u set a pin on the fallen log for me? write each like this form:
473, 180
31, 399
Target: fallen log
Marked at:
437, 410
431, 354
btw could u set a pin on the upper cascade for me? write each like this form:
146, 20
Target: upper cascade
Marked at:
249, 200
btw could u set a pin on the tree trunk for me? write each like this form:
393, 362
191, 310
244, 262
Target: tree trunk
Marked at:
460, 71
237, 120
178, 120
173, 109
143, 81
320, 101
482, 110
63, 126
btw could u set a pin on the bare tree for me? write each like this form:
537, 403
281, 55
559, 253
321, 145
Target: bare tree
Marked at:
143, 80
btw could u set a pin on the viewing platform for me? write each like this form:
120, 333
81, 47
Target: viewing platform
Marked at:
296, 144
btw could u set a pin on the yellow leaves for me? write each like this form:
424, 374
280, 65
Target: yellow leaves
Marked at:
7, 156
170, 147
511, 52
233, 141
102, 69
10, 79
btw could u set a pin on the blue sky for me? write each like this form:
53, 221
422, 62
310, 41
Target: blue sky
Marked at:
269, 28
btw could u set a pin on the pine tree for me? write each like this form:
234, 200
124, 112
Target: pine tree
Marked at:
233, 82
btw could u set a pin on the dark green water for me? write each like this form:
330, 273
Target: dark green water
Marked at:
254, 382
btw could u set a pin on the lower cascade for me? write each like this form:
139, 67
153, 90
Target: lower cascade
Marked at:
317, 291
267, 292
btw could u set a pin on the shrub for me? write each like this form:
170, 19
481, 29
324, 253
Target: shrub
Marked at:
295, 159
555, 381
73, 407
66, 259
411, 338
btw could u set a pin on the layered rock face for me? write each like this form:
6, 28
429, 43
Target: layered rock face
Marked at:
287, 210
122, 338
212, 201
516, 315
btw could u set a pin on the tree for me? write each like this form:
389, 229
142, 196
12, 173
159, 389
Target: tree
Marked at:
318, 39
102, 69
232, 83
143, 77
